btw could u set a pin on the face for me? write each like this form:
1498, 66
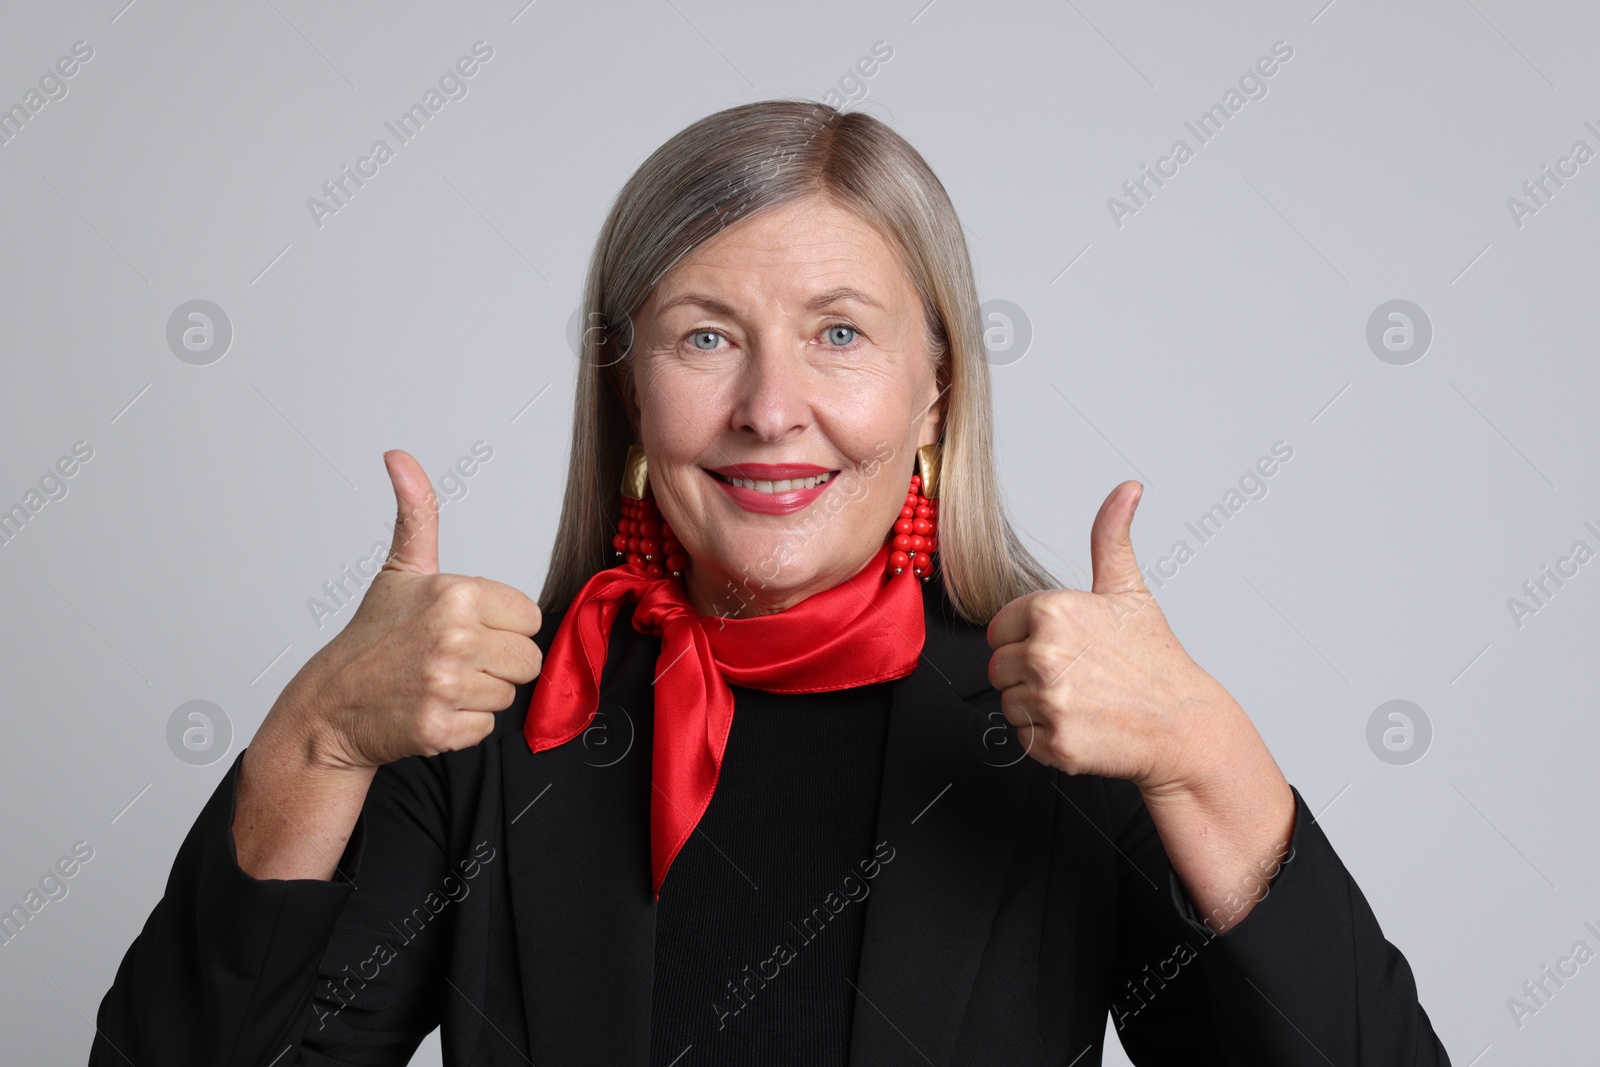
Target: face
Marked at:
791, 348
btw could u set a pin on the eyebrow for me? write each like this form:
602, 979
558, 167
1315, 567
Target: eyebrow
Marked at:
838, 294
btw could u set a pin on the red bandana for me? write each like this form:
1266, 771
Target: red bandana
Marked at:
864, 630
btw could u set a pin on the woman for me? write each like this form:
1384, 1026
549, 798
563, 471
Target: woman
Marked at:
821, 770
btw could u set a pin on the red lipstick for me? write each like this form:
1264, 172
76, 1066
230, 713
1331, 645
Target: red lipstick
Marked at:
765, 503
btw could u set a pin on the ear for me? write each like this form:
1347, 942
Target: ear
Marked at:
935, 397
621, 376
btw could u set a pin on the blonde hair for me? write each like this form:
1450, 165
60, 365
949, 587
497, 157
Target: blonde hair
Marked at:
729, 166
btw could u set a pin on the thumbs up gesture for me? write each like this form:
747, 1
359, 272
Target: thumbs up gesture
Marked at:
427, 658
1096, 682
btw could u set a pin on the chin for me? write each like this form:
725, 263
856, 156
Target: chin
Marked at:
774, 567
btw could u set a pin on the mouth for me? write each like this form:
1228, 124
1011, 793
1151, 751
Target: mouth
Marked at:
773, 488
781, 485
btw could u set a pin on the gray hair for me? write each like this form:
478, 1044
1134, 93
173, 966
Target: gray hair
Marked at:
777, 151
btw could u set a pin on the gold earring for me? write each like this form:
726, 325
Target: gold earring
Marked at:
928, 457
643, 537
635, 473
914, 537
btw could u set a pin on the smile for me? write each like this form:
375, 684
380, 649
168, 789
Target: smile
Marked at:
782, 486
773, 488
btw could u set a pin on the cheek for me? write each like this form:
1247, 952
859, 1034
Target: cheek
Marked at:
889, 495
681, 420
679, 414
874, 492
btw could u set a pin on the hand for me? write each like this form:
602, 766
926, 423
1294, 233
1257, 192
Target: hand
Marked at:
427, 658
1097, 683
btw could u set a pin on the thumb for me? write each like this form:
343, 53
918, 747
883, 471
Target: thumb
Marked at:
1110, 546
416, 529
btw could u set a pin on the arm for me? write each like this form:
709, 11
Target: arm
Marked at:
1306, 978
1097, 683
230, 969
339, 788
295, 808
1229, 822
224, 960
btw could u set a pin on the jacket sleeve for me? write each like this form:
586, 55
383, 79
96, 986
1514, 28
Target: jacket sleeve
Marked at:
1306, 977
229, 969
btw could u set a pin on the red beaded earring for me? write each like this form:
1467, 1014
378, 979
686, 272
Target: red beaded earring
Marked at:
915, 535
643, 536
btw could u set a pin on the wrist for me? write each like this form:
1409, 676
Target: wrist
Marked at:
1210, 742
1239, 806
1230, 777
301, 729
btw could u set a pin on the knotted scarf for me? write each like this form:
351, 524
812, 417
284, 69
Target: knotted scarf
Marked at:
866, 629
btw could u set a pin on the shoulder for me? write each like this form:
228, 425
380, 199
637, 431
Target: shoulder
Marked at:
957, 648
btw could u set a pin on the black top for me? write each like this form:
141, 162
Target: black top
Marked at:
758, 928
504, 896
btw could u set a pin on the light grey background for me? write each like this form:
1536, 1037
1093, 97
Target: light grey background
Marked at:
1229, 313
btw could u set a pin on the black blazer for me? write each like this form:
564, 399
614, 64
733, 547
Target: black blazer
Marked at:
506, 897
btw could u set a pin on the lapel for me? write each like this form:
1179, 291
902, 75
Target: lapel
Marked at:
950, 807
578, 858
578, 844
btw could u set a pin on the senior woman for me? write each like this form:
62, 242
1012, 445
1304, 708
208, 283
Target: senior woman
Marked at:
807, 761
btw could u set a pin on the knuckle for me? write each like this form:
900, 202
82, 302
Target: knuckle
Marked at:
1048, 607
452, 595
434, 727
482, 728
1035, 607
1052, 750
1044, 662
439, 680
1056, 665
452, 642
462, 607
1014, 708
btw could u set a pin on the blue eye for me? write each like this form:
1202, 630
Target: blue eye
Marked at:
695, 339
833, 332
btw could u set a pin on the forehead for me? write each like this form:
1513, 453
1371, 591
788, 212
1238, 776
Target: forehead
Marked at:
791, 253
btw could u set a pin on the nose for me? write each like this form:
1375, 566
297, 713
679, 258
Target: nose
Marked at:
773, 396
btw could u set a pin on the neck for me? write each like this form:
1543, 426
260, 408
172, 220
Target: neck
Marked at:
716, 593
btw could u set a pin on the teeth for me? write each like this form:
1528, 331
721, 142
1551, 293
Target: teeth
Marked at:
781, 486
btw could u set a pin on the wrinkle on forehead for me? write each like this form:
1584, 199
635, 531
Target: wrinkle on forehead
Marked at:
781, 258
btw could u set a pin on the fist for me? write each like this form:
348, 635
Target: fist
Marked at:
427, 658
1096, 682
